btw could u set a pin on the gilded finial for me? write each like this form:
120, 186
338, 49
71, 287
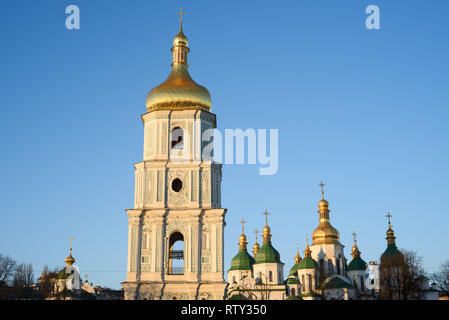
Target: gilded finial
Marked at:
70, 260
389, 222
256, 246
322, 189
266, 230
181, 13
242, 238
243, 225
297, 257
355, 250
307, 252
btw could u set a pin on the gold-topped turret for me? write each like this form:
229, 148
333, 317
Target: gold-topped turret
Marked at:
355, 250
307, 251
70, 260
256, 246
266, 230
179, 91
391, 239
242, 239
297, 257
325, 233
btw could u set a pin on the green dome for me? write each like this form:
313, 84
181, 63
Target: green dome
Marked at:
307, 263
294, 269
391, 252
356, 264
268, 254
242, 261
337, 283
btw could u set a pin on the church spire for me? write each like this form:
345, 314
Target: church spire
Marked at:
307, 251
297, 257
256, 245
180, 46
266, 230
70, 260
391, 239
242, 239
325, 233
355, 250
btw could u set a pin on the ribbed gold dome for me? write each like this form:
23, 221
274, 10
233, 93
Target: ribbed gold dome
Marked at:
179, 91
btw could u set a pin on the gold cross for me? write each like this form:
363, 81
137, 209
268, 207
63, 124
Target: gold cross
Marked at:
297, 247
181, 13
389, 216
322, 188
266, 213
71, 238
243, 224
307, 239
256, 232
354, 235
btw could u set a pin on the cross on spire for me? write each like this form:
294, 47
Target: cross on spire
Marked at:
71, 239
181, 13
297, 247
355, 237
243, 225
389, 222
322, 188
307, 239
256, 232
266, 213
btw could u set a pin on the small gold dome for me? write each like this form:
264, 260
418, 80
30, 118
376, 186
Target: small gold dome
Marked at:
180, 40
242, 238
323, 204
70, 260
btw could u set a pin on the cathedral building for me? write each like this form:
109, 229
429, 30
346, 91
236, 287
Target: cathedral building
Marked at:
175, 243
176, 227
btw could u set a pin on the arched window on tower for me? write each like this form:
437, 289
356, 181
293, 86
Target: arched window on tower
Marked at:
303, 283
362, 283
270, 276
176, 253
309, 280
292, 292
330, 267
177, 138
337, 263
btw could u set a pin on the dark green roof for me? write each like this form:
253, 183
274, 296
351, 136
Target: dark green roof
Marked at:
292, 281
268, 254
356, 264
242, 261
337, 283
293, 269
294, 298
307, 263
62, 274
391, 252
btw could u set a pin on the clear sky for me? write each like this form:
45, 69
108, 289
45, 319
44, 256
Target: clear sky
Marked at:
364, 110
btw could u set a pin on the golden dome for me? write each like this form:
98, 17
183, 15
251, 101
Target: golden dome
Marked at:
180, 40
325, 233
323, 204
70, 260
179, 91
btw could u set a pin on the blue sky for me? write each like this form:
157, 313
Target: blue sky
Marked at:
364, 110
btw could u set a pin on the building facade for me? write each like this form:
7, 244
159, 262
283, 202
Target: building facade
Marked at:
175, 243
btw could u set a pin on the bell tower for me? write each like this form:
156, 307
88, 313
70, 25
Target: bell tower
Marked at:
175, 230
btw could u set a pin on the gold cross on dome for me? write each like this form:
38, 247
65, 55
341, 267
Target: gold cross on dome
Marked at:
389, 216
243, 224
256, 232
181, 13
355, 237
266, 213
71, 239
307, 239
297, 247
322, 188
